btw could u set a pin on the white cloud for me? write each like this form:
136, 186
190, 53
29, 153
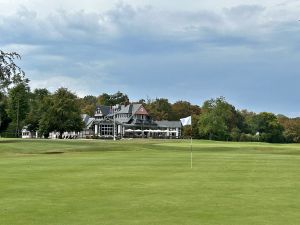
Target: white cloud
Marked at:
127, 21
148, 47
45, 7
56, 81
22, 49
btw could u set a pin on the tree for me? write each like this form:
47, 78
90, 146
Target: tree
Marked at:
4, 119
142, 101
114, 99
37, 99
291, 128
182, 109
10, 72
269, 128
248, 125
61, 113
119, 98
212, 126
160, 109
18, 106
193, 130
104, 99
217, 120
88, 105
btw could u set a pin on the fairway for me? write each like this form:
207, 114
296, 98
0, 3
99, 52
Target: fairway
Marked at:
148, 182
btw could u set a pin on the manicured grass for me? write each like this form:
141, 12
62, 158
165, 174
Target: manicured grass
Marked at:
45, 182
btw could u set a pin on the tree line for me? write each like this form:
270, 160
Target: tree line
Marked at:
43, 111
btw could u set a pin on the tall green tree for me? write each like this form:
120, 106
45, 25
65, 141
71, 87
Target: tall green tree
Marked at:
269, 128
10, 73
18, 106
88, 104
160, 109
248, 125
182, 109
61, 113
217, 120
4, 119
37, 99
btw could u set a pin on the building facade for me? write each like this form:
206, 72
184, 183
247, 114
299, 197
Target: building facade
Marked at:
132, 121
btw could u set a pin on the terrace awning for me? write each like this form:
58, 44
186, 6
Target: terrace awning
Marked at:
128, 130
157, 131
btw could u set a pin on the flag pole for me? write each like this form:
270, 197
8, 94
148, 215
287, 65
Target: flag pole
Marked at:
185, 122
191, 146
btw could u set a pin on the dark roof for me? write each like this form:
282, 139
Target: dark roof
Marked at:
90, 123
129, 109
87, 120
123, 120
105, 121
104, 109
132, 109
168, 124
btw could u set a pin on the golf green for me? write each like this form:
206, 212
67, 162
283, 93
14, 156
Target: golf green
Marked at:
80, 182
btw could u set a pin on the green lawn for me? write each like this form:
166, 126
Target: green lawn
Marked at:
88, 182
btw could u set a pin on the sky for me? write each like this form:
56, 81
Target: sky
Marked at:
247, 51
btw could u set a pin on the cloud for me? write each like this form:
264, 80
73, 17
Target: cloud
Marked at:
244, 12
248, 52
141, 29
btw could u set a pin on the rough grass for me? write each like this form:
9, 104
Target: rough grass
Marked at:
148, 182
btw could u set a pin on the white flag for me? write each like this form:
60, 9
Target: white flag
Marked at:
186, 121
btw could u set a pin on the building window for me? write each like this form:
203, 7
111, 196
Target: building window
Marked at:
106, 130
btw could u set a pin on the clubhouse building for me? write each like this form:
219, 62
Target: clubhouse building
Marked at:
130, 121
122, 121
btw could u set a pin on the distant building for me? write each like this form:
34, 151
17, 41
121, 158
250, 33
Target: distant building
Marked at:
28, 134
130, 121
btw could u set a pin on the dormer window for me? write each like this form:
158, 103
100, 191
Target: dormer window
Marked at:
98, 112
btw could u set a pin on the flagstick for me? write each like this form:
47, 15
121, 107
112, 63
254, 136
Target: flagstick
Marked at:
191, 146
191, 152
188, 121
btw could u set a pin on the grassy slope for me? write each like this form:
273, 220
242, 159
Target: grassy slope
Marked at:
148, 182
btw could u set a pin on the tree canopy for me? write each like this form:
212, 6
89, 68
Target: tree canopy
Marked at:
4, 118
61, 113
159, 109
268, 127
10, 72
44, 112
114, 99
18, 106
217, 120
37, 101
